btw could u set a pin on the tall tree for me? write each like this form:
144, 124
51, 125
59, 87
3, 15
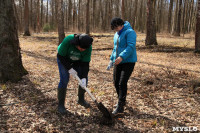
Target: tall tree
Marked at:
17, 17
94, 15
88, 17
178, 25
60, 21
52, 13
26, 19
197, 35
11, 67
79, 15
170, 15
135, 13
31, 14
69, 14
47, 13
74, 16
151, 28
38, 16
41, 14
123, 9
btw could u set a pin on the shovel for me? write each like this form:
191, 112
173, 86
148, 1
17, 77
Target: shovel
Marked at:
100, 106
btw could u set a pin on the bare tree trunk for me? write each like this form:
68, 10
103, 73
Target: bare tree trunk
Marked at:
197, 35
56, 13
141, 26
70, 15
21, 11
79, 15
17, 17
11, 68
151, 28
41, 18
135, 13
123, 11
160, 14
94, 15
52, 12
184, 17
31, 14
60, 21
190, 15
117, 8
47, 15
38, 16
177, 29
26, 19
88, 17
170, 16
174, 26
74, 16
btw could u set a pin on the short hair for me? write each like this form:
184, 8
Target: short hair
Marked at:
115, 22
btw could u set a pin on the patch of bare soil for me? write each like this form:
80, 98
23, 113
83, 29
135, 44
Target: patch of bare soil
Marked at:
162, 91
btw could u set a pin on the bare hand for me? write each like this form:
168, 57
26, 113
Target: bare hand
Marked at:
118, 60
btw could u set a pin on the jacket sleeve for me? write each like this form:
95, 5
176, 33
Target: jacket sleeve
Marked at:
131, 44
84, 69
113, 51
66, 63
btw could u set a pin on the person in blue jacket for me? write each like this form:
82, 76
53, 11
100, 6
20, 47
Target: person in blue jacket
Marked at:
123, 58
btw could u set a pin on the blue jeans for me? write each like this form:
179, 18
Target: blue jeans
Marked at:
64, 74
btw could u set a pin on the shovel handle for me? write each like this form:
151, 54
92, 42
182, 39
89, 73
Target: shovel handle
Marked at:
85, 88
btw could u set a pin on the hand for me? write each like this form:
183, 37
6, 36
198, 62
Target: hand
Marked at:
83, 82
118, 60
72, 72
110, 65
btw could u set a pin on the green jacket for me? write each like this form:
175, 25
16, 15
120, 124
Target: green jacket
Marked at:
71, 57
71, 53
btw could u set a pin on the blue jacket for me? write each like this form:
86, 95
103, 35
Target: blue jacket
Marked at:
126, 45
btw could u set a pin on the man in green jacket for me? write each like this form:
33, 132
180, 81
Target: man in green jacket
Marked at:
74, 55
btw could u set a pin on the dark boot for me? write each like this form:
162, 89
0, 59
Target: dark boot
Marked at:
119, 109
61, 100
117, 104
81, 99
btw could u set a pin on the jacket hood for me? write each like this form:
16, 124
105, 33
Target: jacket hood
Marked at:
127, 25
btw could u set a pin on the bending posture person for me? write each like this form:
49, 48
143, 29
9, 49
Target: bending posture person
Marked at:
123, 59
74, 55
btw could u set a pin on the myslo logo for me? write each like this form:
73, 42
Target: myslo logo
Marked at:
186, 129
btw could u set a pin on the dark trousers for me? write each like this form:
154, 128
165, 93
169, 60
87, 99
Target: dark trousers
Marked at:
64, 74
122, 73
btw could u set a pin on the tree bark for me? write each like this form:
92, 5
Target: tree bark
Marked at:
20, 29
122, 8
177, 29
79, 15
88, 17
197, 35
47, 16
170, 15
151, 28
41, 14
38, 16
11, 68
60, 21
70, 15
26, 19
135, 13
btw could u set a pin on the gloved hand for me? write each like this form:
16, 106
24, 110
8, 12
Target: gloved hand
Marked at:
110, 65
83, 82
72, 72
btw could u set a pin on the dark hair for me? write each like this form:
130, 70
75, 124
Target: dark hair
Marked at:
115, 22
82, 40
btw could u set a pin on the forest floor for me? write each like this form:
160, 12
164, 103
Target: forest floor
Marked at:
161, 90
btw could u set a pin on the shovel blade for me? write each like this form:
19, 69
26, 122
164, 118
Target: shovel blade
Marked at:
104, 110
